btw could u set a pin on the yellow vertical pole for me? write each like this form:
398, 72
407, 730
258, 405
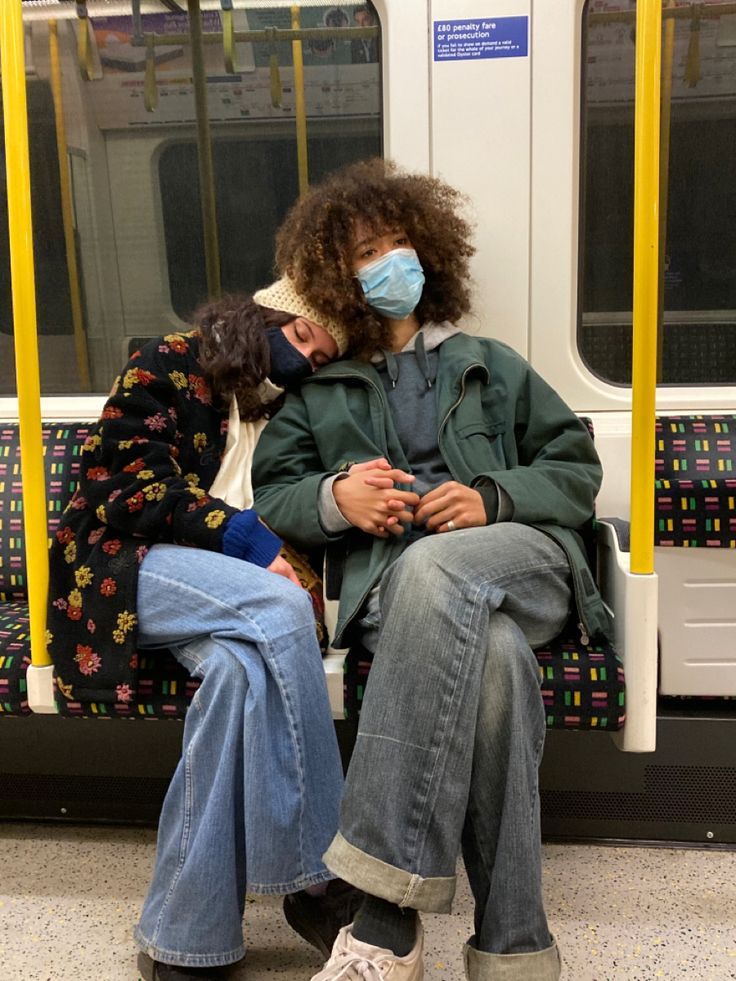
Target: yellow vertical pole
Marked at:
646, 281
12, 57
299, 104
80, 338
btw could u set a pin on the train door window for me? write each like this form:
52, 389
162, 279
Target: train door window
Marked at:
134, 141
697, 331
53, 308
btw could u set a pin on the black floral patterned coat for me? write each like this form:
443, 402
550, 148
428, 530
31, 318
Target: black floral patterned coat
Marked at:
146, 469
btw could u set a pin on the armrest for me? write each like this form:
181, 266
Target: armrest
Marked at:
633, 602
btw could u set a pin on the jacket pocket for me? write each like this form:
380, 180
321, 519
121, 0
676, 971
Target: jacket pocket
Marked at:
482, 427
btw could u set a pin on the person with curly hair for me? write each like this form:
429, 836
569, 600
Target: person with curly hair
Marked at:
453, 481
161, 547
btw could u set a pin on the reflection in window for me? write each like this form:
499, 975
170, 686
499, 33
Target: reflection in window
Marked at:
131, 130
698, 279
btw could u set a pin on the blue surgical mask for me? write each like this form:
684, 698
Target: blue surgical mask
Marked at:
393, 283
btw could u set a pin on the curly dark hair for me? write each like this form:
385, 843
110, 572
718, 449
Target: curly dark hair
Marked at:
234, 351
314, 244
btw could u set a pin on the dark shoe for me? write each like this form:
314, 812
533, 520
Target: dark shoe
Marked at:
319, 919
151, 970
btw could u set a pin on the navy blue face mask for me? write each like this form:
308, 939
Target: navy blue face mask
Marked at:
288, 366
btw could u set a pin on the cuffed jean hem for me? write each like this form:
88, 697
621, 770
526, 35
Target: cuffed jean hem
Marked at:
539, 965
282, 888
180, 959
433, 895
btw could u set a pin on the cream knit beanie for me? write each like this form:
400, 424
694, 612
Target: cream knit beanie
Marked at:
282, 295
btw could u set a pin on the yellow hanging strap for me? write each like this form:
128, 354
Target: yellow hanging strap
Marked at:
80, 337
24, 321
228, 37
277, 92
646, 281
150, 89
692, 63
84, 48
299, 105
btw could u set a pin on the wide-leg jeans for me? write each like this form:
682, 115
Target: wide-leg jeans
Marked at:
450, 738
254, 800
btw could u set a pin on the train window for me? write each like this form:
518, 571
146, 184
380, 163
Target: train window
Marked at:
697, 332
132, 143
267, 183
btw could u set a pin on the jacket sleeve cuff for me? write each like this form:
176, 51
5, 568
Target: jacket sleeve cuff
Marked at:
331, 518
246, 538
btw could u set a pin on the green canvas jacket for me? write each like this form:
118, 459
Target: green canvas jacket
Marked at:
497, 418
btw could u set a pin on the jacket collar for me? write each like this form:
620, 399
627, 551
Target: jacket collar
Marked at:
458, 352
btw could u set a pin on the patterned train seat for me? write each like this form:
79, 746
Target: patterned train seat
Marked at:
695, 535
695, 482
582, 685
165, 689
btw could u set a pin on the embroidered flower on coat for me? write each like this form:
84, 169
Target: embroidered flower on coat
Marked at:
179, 379
201, 389
135, 502
155, 423
91, 443
64, 536
214, 519
177, 343
112, 547
108, 587
154, 492
70, 552
83, 576
87, 659
126, 622
137, 376
95, 535
124, 693
98, 473
200, 441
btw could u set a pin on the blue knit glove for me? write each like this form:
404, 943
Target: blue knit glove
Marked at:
246, 538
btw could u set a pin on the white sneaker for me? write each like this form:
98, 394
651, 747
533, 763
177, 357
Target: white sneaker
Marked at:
354, 960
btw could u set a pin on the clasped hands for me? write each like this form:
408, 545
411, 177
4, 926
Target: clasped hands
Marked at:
369, 500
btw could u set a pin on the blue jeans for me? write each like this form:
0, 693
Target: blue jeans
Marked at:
254, 800
450, 739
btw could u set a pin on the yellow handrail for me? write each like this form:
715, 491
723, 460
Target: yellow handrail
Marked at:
80, 338
646, 281
12, 57
299, 105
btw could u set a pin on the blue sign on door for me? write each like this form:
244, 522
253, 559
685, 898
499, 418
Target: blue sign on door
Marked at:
487, 37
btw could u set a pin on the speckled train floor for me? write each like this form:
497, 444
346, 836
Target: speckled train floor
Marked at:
69, 897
